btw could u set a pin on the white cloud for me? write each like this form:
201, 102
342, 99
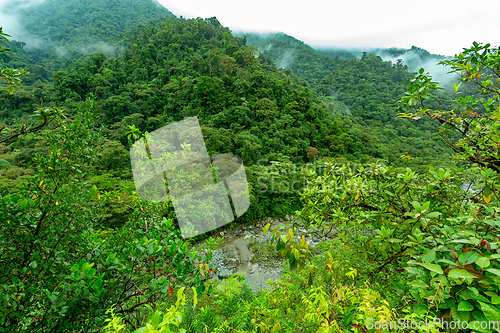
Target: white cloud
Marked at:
439, 26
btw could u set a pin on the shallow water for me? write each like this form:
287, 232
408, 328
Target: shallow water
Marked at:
258, 279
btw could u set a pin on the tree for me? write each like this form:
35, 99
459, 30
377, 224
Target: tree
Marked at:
59, 271
13, 77
10, 75
474, 117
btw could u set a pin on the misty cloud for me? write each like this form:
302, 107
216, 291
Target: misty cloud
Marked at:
286, 59
10, 14
12, 25
416, 60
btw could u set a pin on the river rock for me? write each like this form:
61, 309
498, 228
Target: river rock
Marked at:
253, 268
230, 263
224, 274
230, 251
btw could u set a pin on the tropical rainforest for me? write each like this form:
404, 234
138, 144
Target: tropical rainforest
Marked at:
398, 177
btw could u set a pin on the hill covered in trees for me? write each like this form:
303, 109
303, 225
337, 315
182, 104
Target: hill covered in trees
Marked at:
75, 24
361, 85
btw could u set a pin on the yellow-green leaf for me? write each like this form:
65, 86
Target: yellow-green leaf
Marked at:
357, 195
487, 194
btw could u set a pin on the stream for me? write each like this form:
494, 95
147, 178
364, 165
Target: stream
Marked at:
247, 251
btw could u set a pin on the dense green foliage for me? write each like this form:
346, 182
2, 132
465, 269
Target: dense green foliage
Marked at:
362, 89
80, 252
81, 24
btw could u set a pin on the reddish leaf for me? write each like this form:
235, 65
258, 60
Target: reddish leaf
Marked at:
485, 243
170, 290
447, 316
363, 327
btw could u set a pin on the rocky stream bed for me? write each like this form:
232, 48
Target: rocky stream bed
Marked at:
248, 251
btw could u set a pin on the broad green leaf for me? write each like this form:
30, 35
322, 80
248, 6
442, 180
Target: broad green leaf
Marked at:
465, 306
460, 274
91, 273
495, 298
494, 223
490, 312
483, 262
469, 294
494, 271
432, 267
468, 257
462, 315
419, 284
266, 228
420, 309
430, 256
446, 261
432, 215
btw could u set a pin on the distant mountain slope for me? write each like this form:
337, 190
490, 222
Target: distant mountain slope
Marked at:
79, 23
48, 35
414, 58
361, 86
261, 41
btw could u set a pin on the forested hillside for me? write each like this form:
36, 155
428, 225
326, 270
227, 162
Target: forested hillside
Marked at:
363, 89
74, 24
52, 34
360, 236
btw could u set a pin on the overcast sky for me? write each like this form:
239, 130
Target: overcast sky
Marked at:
439, 26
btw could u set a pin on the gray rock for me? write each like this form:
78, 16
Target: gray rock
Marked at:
230, 251
230, 262
224, 274
253, 268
